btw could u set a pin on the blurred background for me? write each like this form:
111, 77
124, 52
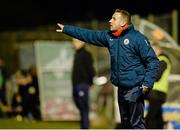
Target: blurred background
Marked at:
30, 46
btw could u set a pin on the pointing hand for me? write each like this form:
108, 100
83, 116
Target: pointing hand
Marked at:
60, 27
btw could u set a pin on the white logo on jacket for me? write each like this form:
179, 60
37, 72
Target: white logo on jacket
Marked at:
147, 43
126, 41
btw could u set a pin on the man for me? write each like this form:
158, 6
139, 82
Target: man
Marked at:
82, 76
157, 96
134, 64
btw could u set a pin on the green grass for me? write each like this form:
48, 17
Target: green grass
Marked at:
14, 124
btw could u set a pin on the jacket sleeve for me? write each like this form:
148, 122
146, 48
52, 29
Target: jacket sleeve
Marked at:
150, 61
97, 38
162, 68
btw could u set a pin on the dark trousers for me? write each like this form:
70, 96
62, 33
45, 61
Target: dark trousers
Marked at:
3, 96
81, 99
131, 111
154, 118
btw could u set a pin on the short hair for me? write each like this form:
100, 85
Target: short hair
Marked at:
126, 15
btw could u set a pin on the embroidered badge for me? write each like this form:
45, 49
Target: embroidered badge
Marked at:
126, 41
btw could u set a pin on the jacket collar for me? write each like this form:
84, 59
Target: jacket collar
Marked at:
119, 32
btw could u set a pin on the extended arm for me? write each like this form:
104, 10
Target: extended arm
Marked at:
98, 38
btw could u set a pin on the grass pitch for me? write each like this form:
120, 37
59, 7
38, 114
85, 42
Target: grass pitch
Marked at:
14, 124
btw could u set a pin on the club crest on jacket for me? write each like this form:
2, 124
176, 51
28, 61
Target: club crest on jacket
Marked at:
126, 41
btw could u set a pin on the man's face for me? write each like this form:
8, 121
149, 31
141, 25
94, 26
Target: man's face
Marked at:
116, 22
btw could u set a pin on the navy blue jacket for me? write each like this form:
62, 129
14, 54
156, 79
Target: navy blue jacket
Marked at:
133, 61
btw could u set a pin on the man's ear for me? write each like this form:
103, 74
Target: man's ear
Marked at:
123, 23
